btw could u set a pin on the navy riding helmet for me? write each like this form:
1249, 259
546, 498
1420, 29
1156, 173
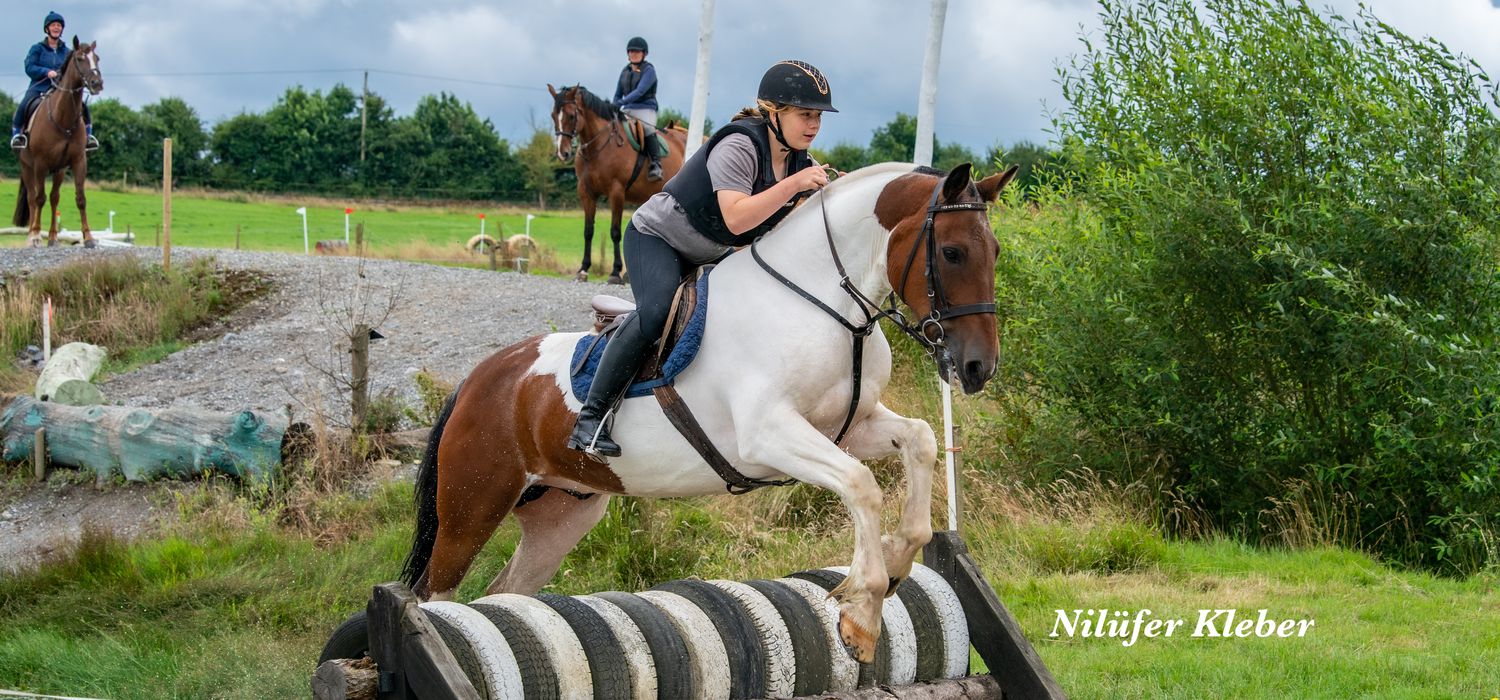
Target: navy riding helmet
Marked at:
636, 44
53, 17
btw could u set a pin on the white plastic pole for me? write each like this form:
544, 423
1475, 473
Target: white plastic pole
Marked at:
346, 227
699, 111
927, 97
47, 329
305, 249
481, 232
529, 217
948, 453
111, 222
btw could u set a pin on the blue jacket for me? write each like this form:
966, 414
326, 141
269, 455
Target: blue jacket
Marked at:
637, 90
41, 59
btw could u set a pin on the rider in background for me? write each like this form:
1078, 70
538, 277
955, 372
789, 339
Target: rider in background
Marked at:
734, 189
635, 96
44, 62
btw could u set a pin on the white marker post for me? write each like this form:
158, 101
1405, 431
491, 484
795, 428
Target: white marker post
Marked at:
529, 245
47, 329
305, 249
111, 222
347, 212
481, 232
529, 217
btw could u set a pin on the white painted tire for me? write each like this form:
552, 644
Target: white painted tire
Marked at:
896, 625
845, 670
574, 681
705, 649
775, 638
637, 653
951, 614
497, 676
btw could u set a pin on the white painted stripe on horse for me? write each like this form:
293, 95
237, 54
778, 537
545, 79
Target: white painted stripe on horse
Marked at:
775, 638
637, 653
574, 680
705, 648
497, 665
896, 622
951, 613
845, 668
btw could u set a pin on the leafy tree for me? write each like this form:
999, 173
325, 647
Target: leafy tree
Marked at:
130, 147
241, 159
540, 164
844, 156
1289, 290
171, 117
1034, 162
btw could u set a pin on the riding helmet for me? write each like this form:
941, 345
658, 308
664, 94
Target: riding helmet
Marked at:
796, 84
636, 44
53, 17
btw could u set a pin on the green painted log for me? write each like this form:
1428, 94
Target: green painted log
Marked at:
65, 378
142, 444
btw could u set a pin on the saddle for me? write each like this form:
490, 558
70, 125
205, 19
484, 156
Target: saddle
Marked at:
611, 311
635, 133
29, 111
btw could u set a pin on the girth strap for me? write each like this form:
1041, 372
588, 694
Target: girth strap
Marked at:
682, 418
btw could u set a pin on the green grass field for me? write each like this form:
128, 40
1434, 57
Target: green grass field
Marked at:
209, 220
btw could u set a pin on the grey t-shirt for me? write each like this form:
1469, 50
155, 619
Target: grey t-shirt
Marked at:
731, 166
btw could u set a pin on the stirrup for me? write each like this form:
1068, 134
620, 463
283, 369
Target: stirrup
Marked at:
90, 143
18, 141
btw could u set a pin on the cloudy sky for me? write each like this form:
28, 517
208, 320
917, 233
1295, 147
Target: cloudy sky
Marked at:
997, 83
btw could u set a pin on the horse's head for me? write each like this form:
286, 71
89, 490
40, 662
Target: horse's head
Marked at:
83, 67
941, 261
567, 105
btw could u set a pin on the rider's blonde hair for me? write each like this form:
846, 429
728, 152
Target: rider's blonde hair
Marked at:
762, 108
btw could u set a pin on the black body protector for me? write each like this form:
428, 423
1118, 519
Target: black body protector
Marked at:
694, 191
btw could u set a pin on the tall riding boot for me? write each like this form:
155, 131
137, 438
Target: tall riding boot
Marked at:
622, 359
653, 148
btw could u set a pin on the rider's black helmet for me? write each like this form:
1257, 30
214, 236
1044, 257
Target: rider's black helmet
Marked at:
796, 84
54, 17
636, 44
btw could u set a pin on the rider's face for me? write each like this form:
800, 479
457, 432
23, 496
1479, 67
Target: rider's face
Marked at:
54, 30
800, 126
635, 55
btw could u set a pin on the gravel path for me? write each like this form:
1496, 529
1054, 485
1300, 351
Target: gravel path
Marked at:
278, 350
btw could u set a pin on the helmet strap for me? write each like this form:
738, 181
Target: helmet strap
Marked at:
773, 122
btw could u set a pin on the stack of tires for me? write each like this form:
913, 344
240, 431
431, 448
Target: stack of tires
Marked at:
692, 639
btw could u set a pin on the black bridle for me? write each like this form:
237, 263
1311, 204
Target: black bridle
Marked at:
939, 308
84, 84
573, 135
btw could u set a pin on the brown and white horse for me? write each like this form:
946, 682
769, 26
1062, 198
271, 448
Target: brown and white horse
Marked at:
56, 143
771, 386
590, 133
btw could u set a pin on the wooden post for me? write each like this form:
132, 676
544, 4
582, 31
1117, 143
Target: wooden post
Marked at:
413, 660
958, 477
359, 347
359, 239
166, 203
236, 236
39, 454
492, 258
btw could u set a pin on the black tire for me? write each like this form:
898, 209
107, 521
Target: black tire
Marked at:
814, 667
928, 629
674, 680
869, 674
351, 640
747, 656
606, 657
538, 677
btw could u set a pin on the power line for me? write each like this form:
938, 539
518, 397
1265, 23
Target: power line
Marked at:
403, 74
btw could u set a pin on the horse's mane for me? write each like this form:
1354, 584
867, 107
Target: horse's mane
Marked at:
595, 103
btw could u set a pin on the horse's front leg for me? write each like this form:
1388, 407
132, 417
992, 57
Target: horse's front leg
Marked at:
881, 435
590, 206
783, 440
57, 179
80, 172
616, 209
36, 194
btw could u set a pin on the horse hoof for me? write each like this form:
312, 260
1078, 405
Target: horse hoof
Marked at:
581, 276
36, 244
615, 279
90, 243
51, 243
857, 640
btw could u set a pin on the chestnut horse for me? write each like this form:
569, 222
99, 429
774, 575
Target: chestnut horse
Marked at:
771, 386
56, 143
605, 163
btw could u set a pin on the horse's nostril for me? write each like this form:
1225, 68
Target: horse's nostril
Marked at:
974, 368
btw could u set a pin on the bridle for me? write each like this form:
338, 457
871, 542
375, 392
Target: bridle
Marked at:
82, 86
573, 135
939, 308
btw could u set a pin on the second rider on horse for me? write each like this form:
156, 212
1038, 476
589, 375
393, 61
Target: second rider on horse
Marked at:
44, 62
635, 96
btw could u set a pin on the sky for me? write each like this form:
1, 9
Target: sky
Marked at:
997, 84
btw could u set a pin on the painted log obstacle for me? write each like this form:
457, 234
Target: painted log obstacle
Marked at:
703, 639
141, 444
66, 377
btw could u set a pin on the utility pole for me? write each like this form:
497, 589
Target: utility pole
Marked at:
364, 110
699, 112
927, 97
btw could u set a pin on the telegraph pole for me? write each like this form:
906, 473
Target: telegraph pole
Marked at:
927, 97
699, 111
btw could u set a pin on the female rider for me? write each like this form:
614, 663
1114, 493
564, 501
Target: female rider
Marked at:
43, 62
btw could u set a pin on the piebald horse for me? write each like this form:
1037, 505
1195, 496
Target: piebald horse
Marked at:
771, 386
55, 144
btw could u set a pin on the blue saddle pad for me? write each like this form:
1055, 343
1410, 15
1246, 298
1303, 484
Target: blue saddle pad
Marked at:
681, 356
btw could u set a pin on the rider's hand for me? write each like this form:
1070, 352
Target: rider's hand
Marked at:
51, 74
814, 178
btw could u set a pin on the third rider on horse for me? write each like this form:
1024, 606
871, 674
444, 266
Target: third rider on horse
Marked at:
635, 96
43, 63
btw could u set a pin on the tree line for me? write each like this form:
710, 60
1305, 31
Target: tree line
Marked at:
310, 141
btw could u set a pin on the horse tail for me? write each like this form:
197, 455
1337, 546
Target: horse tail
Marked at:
426, 498
22, 216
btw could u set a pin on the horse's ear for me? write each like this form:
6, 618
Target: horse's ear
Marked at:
552, 90
992, 186
93, 45
75, 42
957, 181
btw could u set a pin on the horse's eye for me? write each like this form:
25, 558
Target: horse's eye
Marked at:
953, 255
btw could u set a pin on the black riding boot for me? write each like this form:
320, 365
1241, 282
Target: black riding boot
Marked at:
622, 359
652, 149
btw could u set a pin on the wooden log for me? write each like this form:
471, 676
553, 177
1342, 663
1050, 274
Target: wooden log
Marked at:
346, 679
970, 688
141, 443
414, 661
65, 378
993, 631
39, 454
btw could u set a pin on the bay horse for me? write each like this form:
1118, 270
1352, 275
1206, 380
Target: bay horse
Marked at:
56, 143
771, 385
591, 133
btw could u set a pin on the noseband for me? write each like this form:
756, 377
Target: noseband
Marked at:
939, 308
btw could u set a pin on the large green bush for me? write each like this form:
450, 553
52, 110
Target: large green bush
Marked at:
1284, 271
